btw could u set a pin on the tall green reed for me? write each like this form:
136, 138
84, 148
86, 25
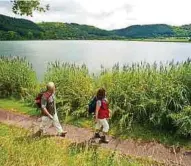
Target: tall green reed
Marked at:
154, 94
148, 94
17, 77
73, 85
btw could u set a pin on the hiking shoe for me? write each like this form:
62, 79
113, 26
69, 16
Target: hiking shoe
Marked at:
38, 133
63, 134
104, 140
97, 135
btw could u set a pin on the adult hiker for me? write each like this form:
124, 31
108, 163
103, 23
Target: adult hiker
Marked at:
49, 112
102, 113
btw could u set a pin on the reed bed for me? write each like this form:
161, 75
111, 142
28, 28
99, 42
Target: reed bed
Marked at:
158, 95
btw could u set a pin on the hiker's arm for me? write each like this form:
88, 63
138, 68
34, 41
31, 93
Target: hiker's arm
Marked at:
110, 112
47, 113
97, 110
43, 107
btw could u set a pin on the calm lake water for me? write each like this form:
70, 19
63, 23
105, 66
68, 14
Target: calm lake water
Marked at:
94, 53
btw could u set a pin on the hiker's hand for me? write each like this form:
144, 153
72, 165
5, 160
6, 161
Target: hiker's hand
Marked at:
110, 114
96, 120
51, 117
47, 113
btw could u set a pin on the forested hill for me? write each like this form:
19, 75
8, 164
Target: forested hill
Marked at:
154, 31
54, 30
142, 31
21, 29
13, 28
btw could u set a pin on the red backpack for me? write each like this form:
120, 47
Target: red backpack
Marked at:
39, 97
104, 110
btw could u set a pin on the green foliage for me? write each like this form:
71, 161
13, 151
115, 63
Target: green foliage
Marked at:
146, 31
137, 131
17, 77
91, 30
9, 35
19, 148
73, 31
74, 87
181, 32
18, 106
61, 31
25, 29
187, 28
145, 94
183, 121
26, 7
19, 29
141, 93
154, 31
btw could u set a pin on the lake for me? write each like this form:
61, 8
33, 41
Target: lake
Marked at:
94, 53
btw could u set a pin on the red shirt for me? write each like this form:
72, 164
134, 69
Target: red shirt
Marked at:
104, 110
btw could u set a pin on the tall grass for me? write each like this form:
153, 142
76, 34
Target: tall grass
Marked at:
150, 94
17, 77
74, 87
17, 147
155, 95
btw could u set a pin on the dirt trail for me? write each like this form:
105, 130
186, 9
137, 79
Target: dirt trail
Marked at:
151, 150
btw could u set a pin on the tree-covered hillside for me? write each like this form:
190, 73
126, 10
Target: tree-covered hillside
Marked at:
182, 31
146, 31
21, 29
54, 30
154, 31
13, 28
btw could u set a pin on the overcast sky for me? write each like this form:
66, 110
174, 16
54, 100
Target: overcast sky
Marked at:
111, 14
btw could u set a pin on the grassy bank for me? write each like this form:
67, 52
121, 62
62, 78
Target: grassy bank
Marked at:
17, 147
156, 96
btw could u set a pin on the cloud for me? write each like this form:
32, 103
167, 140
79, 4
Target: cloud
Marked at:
5, 4
99, 13
5, 7
110, 14
65, 6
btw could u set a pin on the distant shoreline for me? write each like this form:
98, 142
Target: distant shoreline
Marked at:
136, 40
22, 29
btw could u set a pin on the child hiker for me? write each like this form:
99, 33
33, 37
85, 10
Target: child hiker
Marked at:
101, 115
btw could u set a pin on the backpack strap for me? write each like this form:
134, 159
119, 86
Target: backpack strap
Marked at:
47, 95
102, 103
